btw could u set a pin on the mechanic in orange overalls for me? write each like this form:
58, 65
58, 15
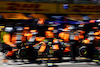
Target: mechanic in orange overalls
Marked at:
15, 38
12, 39
73, 40
49, 35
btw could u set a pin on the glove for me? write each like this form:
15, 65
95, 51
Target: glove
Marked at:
13, 45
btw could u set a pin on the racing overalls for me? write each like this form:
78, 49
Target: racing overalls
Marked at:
73, 39
11, 40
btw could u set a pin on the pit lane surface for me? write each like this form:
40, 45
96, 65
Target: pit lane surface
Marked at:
63, 64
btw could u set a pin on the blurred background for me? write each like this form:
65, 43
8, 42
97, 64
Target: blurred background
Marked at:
62, 10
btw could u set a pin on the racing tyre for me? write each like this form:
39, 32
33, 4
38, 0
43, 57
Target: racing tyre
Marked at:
83, 51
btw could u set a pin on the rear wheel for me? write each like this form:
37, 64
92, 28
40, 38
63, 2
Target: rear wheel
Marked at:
83, 51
